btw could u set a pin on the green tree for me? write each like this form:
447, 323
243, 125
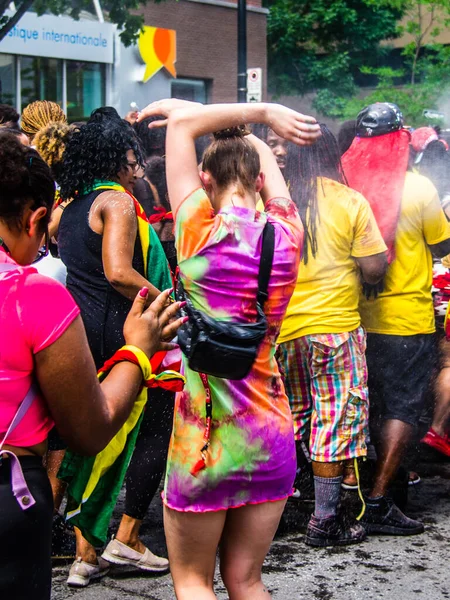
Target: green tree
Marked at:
427, 65
412, 99
118, 11
423, 21
318, 45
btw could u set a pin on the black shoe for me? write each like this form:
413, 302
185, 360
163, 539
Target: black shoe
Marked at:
63, 539
383, 516
333, 531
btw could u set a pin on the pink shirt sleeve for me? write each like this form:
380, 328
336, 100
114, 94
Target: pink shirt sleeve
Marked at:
46, 311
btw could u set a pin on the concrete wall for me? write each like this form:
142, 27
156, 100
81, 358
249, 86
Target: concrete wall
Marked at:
127, 85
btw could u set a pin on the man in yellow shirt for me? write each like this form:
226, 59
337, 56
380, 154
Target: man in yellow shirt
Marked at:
400, 321
322, 345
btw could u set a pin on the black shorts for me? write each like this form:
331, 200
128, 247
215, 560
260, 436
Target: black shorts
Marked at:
25, 535
400, 368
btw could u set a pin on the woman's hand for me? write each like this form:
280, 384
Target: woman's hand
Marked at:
152, 329
292, 125
163, 108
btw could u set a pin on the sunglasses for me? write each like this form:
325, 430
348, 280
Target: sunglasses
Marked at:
43, 250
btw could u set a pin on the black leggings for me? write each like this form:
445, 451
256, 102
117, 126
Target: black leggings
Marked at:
149, 458
25, 535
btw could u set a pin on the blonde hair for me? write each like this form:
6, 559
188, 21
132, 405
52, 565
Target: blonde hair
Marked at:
39, 114
50, 142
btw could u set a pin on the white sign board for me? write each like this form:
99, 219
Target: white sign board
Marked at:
61, 37
254, 85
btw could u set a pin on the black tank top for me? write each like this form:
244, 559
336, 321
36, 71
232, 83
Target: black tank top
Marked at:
103, 309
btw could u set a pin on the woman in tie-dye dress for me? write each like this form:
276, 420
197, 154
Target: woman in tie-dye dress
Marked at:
238, 498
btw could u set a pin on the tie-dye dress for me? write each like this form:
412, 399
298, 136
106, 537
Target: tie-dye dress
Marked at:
252, 454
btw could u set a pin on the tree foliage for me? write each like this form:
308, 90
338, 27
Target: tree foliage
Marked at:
117, 10
427, 65
317, 45
423, 21
322, 46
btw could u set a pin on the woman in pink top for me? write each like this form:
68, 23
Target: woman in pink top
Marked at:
45, 356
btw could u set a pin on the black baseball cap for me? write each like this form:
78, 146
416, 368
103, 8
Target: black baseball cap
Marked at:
379, 119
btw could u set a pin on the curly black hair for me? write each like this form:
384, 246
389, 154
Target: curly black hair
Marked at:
96, 151
9, 116
99, 115
24, 176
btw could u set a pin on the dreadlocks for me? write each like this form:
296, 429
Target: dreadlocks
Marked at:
39, 114
304, 165
50, 142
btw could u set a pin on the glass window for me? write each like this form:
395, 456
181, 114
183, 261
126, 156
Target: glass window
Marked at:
190, 89
85, 89
7, 79
41, 79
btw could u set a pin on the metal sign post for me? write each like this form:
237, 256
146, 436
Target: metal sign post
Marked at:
242, 51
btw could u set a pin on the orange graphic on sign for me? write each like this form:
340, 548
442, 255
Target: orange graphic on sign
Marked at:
158, 48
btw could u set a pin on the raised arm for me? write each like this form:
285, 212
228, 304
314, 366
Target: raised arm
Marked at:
274, 184
188, 121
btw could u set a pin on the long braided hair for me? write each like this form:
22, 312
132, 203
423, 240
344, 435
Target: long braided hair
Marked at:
304, 165
39, 114
50, 142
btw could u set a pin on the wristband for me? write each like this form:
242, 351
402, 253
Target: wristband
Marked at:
168, 380
131, 354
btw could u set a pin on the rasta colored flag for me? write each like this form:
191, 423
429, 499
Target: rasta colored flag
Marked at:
94, 483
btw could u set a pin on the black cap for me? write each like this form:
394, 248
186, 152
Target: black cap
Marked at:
379, 119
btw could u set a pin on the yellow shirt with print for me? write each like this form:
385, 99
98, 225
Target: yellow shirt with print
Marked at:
406, 307
325, 299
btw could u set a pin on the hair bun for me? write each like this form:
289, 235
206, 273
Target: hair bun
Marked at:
232, 132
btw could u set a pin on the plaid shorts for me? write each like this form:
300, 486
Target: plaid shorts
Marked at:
326, 383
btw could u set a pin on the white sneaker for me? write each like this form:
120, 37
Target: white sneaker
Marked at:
120, 554
81, 572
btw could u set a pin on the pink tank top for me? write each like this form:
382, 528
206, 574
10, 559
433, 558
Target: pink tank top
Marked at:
34, 312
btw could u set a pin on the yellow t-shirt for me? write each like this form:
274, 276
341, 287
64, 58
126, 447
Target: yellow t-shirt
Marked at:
406, 307
325, 299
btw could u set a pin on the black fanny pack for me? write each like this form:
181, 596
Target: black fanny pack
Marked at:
225, 348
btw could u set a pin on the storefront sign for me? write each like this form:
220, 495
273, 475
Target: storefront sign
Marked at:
158, 49
61, 37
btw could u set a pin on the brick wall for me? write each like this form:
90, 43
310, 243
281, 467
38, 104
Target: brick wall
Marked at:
207, 42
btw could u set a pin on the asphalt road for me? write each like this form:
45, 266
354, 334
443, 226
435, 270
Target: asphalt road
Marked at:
381, 568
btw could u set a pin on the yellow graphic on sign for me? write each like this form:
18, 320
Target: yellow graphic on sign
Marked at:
158, 48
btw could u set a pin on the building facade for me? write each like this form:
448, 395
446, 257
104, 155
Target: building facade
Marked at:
188, 49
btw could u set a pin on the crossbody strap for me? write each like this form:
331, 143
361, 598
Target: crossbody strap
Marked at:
21, 412
31, 393
4, 267
18, 484
266, 262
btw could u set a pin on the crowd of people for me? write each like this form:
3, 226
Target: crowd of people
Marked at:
228, 296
